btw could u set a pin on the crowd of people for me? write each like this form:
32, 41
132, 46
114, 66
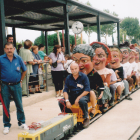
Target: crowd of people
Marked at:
91, 72
109, 70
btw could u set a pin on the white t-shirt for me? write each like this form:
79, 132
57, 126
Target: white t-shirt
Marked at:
67, 65
138, 68
113, 75
134, 66
127, 68
54, 59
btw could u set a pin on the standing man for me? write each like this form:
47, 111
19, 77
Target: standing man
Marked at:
11, 82
10, 38
76, 91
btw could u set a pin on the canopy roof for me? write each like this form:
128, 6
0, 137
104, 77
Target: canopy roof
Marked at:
48, 15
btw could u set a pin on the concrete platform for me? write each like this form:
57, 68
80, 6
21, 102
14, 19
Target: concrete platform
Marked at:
117, 124
32, 99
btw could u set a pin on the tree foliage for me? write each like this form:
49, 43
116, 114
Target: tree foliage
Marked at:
108, 29
78, 40
122, 35
52, 39
89, 29
131, 26
21, 42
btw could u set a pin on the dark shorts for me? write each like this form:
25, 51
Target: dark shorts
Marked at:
33, 80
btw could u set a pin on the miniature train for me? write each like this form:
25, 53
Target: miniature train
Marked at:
58, 127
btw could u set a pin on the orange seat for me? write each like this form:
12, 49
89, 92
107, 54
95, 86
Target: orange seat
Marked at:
79, 112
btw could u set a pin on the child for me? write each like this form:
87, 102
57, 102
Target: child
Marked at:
100, 60
133, 64
118, 69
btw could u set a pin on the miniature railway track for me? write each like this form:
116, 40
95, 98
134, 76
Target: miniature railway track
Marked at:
79, 128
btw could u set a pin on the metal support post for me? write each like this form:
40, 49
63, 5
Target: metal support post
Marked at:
27, 83
46, 74
46, 42
66, 24
118, 33
98, 29
2, 27
14, 35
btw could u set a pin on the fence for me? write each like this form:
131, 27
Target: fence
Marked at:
41, 78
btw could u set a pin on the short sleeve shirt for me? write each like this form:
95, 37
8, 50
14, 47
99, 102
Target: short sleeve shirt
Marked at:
76, 87
113, 76
67, 65
54, 59
120, 73
27, 56
35, 67
96, 81
11, 71
127, 68
41, 54
134, 66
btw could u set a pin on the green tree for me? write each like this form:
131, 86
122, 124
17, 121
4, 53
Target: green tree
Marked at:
89, 29
122, 35
78, 40
21, 42
52, 40
131, 26
108, 29
40, 39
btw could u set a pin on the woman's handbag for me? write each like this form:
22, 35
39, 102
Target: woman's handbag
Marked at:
55, 63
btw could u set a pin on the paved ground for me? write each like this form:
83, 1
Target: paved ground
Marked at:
117, 124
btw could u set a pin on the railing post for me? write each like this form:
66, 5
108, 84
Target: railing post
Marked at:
27, 84
46, 74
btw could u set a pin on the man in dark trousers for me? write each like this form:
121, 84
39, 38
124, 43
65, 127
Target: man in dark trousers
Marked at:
76, 91
11, 82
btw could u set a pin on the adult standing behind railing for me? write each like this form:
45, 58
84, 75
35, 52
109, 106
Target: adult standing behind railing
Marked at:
34, 79
57, 61
41, 51
27, 56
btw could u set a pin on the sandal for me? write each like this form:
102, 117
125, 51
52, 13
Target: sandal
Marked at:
57, 95
61, 94
91, 113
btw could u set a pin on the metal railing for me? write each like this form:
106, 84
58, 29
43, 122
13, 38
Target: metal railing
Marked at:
45, 77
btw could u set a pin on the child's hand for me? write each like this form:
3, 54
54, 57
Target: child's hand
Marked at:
116, 71
119, 80
58, 61
100, 96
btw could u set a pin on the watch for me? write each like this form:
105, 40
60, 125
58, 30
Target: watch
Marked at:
77, 27
67, 100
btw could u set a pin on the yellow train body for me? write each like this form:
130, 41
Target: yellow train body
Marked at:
55, 128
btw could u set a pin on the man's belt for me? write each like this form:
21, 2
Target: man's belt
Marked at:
11, 84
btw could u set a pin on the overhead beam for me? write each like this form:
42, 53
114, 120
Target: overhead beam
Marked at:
60, 27
46, 21
14, 8
46, 12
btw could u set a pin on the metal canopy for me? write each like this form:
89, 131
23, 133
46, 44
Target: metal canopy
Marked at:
48, 15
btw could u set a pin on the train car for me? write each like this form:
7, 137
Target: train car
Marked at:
53, 129
77, 110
